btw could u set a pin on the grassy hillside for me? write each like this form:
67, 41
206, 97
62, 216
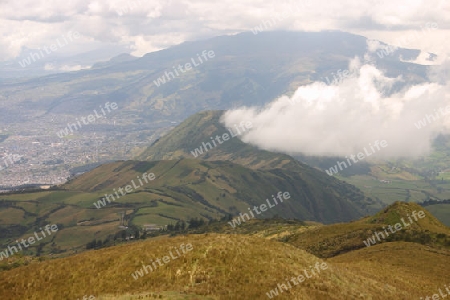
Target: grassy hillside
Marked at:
216, 187
335, 239
400, 266
198, 129
246, 265
183, 189
219, 267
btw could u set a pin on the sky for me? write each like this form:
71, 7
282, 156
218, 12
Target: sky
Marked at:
143, 26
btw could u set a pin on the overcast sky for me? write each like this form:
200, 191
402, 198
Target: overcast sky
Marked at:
142, 26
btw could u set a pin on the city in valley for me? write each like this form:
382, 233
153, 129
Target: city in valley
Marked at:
31, 153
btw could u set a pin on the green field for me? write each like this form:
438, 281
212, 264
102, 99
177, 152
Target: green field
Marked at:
400, 190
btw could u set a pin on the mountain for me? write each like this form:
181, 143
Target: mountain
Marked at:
228, 179
45, 63
246, 69
182, 142
182, 189
124, 57
252, 265
211, 189
193, 133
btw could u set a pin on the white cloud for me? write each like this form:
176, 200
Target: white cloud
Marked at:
64, 68
342, 119
374, 45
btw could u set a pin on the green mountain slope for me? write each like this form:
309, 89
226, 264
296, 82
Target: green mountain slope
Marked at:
182, 189
185, 140
198, 188
198, 129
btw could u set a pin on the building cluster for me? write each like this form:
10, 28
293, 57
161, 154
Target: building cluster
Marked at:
41, 157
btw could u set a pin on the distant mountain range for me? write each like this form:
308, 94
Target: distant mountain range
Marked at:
38, 62
246, 69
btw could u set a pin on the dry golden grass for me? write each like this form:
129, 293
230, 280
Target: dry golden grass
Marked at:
415, 268
331, 240
249, 263
219, 267
336, 239
401, 210
162, 295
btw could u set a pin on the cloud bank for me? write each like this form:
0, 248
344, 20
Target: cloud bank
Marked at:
343, 118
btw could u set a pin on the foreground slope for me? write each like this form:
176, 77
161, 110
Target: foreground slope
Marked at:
223, 266
252, 263
401, 266
226, 267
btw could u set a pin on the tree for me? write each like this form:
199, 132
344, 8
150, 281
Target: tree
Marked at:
99, 244
183, 225
91, 244
195, 223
